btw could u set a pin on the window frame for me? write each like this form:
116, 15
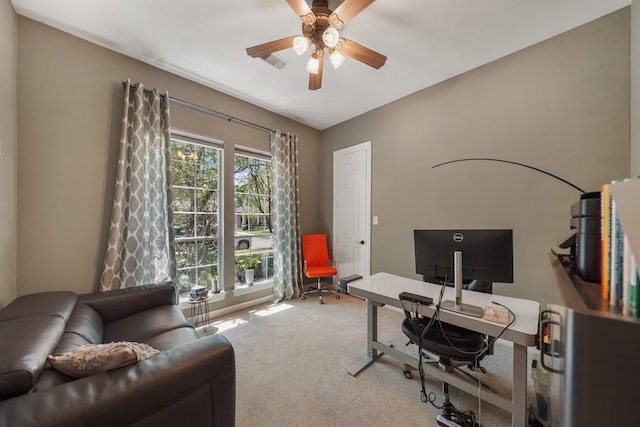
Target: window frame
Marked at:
186, 137
268, 281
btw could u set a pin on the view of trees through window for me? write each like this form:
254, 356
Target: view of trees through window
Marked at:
197, 196
253, 234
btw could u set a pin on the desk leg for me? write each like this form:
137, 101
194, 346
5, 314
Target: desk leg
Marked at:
519, 408
372, 336
372, 329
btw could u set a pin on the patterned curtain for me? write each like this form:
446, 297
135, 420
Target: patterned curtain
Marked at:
140, 248
287, 273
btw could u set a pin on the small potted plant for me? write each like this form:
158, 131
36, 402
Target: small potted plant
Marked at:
249, 264
214, 280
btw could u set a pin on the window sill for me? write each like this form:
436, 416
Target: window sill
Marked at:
256, 287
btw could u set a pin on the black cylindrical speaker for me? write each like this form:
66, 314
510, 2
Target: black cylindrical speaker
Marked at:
588, 244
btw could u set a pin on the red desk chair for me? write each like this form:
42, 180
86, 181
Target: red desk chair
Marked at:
317, 263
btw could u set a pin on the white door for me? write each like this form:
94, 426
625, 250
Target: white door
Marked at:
351, 209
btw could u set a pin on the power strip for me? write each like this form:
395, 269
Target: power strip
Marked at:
445, 422
420, 299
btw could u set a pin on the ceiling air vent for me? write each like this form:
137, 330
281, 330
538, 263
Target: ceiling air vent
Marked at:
272, 59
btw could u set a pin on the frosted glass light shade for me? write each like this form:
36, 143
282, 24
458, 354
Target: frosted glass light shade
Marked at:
313, 66
300, 44
330, 37
337, 59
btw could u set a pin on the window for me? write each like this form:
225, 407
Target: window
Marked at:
195, 168
253, 232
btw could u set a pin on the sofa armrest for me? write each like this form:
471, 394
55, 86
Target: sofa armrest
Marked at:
193, 384
119, 303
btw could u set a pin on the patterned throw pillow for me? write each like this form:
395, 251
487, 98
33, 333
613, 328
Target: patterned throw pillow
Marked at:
93, 359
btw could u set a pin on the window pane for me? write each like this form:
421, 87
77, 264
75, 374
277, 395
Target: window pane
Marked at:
206, 178
208, 254
207, 224
182, 167
186, 254
186, 280
252, 219
182, 199
183, 225
206, 200
194, 170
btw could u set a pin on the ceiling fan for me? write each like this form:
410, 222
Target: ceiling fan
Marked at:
320, 27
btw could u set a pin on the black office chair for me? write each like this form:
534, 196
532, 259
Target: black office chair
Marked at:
444, 345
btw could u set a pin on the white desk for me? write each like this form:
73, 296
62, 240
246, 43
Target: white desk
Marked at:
383, 288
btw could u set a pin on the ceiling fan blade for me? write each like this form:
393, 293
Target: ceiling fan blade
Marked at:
270, 47
361, 53
315, 80
302, 9
346, 11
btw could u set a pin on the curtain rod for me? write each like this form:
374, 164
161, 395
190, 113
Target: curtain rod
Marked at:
214, 113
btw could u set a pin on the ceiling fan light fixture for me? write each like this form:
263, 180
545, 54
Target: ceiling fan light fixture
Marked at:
336, 59
313, 66
300, 44
330, 37
320, 30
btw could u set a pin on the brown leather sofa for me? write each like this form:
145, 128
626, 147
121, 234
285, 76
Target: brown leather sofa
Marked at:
191, 382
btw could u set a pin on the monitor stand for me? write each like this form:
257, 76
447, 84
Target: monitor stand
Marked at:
468, 309
457, 305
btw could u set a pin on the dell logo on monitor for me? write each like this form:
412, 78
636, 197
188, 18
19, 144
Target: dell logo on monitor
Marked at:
458, 237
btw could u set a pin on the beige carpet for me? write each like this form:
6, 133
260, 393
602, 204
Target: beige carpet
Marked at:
292, 360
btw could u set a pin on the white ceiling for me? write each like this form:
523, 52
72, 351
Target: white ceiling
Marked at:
425, 41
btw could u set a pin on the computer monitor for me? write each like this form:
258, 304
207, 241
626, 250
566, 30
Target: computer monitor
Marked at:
486, 257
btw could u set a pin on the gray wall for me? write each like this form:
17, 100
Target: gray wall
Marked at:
8, 152
70, 109
561, 106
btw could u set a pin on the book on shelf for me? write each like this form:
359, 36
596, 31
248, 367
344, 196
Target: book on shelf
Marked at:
634, 294
620, 236
605, 239
627, 266
615, 256
630, 293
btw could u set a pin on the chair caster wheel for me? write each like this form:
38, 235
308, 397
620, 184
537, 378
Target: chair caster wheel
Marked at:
337, 296
321, 301
303, 298
407, 374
